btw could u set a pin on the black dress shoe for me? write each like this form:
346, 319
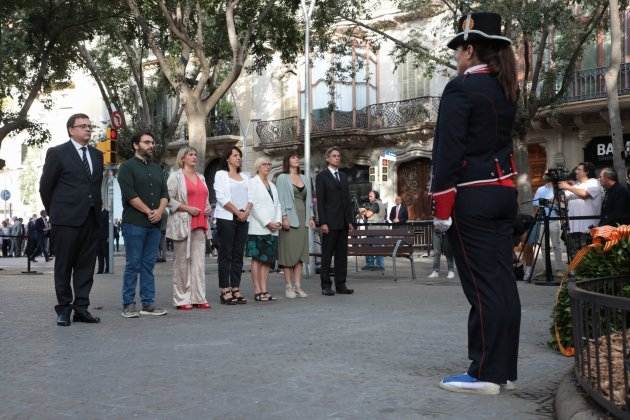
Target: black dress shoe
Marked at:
328, 292
85, 316
63, 319
345, 291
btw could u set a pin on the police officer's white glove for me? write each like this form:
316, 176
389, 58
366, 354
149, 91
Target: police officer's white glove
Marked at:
442, 225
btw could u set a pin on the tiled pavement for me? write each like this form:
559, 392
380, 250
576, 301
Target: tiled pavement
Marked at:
377, 354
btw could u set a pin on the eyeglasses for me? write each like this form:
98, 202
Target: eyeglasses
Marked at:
266, 164
83, 126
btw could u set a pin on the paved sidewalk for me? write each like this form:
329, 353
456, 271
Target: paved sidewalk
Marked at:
378, 354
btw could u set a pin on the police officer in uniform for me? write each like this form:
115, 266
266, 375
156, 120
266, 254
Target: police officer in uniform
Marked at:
475, 197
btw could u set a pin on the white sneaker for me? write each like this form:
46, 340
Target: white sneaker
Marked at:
468, 384
509, 386
289, 292
450, 275
434, 275
300, 293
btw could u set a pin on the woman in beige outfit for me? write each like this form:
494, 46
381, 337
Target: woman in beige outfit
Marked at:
187, 227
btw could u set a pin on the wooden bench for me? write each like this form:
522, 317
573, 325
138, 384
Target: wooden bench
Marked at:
395, 242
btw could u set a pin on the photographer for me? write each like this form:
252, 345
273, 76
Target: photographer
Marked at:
584, 198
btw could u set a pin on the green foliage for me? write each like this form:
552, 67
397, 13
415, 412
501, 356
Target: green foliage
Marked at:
38, 46
595, 264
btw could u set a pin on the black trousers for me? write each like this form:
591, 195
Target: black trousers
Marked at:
75, 257
335, 243
481, 241
232, 237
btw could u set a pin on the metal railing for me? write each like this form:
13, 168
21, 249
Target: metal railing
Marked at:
386, 115
223, 127
600, 310
422, 229
591, 84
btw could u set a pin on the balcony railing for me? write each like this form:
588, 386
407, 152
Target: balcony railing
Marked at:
386, 115
223, 127
590, 84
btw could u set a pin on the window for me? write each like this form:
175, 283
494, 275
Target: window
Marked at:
288, 102
413, 83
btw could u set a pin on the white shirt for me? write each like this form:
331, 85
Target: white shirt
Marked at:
585, 207
334, 171
78, 146
229, 190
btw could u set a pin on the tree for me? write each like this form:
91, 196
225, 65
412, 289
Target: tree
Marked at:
612, 76
548, 38
203, 46
38, 43
116, 61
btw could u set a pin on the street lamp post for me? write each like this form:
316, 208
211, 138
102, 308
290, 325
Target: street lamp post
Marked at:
308, 12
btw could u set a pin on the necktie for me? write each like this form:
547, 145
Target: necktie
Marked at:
397, 211
337, 176
86, 164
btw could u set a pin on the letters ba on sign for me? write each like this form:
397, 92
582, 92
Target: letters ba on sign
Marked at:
599, 150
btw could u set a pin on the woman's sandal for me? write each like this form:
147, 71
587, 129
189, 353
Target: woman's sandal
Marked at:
268, 296
236, 294
225, 300
261, 297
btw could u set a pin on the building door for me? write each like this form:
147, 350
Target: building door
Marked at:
537, 162
413, 187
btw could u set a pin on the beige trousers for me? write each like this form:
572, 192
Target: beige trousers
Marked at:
189, 279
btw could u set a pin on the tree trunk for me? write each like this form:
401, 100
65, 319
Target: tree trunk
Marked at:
612, 75
196, 124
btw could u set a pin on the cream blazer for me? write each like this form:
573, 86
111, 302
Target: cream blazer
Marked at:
264, 210
179, 222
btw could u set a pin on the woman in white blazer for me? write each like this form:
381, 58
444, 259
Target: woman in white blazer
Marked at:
187, 227
265, 221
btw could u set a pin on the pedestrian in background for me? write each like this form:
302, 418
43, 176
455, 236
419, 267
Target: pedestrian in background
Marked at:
398, 214
117, 235
144, 199
103, 243
232, 211
70, 189
441, 247
616, 203
373, 212
294, 193
264, 223
43, 231
584, 198
473, 189
188, 227
5, 234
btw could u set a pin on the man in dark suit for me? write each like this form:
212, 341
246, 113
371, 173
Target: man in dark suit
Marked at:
334, 209
398, 213
616, 204
70, 188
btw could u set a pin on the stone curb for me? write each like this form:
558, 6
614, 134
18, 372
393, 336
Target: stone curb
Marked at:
571, 403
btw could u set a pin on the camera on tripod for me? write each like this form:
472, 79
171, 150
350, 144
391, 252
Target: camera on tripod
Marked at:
557, 174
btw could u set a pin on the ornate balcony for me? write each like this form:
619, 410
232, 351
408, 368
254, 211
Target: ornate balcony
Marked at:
590, 84
383, 122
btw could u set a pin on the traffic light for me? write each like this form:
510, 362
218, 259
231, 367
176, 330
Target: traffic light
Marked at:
108, 146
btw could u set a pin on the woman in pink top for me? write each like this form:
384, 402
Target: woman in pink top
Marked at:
187, 227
